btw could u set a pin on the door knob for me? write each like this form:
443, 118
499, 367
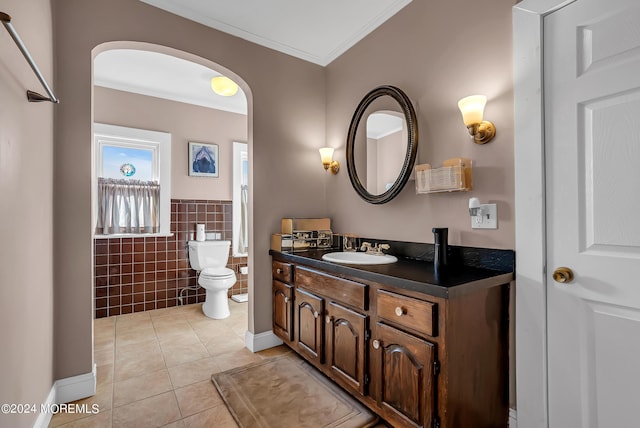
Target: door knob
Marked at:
562, 275
376, 344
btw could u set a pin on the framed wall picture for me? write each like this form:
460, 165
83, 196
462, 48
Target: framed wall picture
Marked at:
203, 160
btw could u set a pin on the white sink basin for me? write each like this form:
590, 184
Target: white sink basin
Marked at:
353, 258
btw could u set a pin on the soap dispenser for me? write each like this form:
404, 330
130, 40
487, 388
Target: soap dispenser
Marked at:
440, 247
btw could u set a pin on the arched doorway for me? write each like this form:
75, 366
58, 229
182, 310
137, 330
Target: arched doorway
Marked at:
137, 274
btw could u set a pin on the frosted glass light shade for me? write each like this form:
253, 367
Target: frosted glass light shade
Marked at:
224, 86
326, 154
472, 109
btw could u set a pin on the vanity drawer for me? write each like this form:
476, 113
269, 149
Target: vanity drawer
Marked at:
406, 311
283, 272
342, 290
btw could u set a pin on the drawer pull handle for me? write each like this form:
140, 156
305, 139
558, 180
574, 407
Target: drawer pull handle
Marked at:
316, 314
329, 319
400, 311
278, 271
376, 344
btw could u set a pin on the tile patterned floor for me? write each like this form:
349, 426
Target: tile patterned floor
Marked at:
155, 367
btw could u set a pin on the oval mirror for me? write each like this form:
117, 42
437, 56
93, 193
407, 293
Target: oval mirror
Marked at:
382, 144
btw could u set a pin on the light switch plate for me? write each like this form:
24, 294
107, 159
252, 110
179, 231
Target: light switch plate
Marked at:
489, 218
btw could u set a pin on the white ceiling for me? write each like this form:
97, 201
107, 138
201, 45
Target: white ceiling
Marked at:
315, 31
163, 76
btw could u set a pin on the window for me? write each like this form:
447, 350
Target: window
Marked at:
132, 181
240, 199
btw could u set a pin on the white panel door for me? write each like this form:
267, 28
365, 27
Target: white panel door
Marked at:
592, 144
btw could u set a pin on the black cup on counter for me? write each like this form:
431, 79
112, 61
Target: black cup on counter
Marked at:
440, 248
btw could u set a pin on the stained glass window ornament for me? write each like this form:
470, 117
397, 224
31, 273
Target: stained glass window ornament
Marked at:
127, 169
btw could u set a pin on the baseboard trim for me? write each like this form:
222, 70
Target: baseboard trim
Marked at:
261, 341
67, 390
76, 387
513, 420
45, 418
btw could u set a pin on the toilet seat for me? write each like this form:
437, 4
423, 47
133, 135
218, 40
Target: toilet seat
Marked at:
217, 273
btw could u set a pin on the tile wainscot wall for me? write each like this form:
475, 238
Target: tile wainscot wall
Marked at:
145, 273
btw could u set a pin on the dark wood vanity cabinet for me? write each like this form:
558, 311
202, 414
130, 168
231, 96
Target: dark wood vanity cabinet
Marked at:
308, 326
282, 296
283, 310
416, 359
346, 346
405, 372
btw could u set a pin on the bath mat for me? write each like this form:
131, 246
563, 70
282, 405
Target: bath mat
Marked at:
286, 391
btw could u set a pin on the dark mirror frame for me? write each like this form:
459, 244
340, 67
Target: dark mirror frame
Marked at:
412, 143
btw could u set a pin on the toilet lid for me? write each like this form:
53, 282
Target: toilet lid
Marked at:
217, 273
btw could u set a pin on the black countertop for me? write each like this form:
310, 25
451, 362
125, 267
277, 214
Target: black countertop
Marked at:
408, 274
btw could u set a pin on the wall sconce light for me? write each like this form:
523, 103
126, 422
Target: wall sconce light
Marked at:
224, 86
472, 109
326, 154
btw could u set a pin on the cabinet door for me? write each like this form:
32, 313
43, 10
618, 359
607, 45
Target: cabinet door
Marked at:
283, 311
346, 346
406, 377
309, 310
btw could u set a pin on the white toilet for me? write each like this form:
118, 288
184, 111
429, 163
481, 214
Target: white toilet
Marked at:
210, 259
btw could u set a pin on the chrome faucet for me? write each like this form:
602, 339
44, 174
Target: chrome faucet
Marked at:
375, 250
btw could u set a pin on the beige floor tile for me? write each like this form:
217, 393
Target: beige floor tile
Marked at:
164, 312
174, 355
146, 347
194, 312
229, 344
145, 360
197, 397
104, 342
99, 420
135, 335
240, 330
213, 332
206, 329
185, 337
151, 412
192, 372
234, 359
104, 356
103, 333
104, 374
140, 387
137, 365
218, 417
133, 324
132, 318
165, 331
104, 325
274, 352
204, 332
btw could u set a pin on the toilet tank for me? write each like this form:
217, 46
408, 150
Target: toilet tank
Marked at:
208, 254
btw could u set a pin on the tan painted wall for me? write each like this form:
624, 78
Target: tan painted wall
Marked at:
185, 122
286, 127
437, 53
26, 212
